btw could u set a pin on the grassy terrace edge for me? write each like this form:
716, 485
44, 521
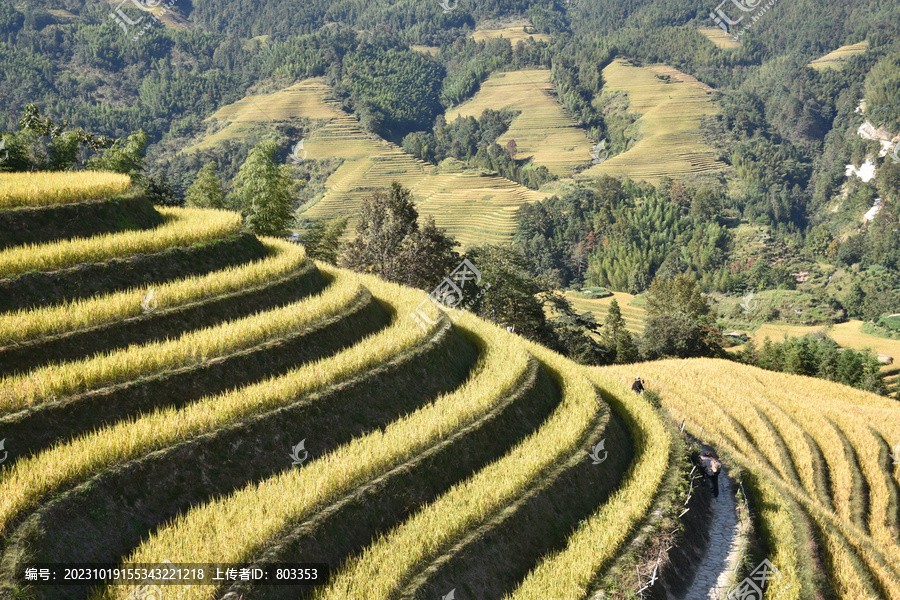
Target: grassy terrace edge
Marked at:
31, 189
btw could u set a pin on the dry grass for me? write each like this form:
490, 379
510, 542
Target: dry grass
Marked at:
25, 325
714, 395
303, 99
671, 144
543, 130
237, 527
182, 227
599, 307
45, 189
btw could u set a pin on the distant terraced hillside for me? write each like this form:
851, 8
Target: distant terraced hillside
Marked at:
223, 399
633, 315
719, 37
671, 105
473, 207
543, 130
835, 59
303, 99
513, 33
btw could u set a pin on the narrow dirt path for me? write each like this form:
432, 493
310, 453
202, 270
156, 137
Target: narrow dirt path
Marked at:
715, 574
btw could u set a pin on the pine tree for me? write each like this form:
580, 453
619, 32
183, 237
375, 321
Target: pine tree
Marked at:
206, 191
264, 191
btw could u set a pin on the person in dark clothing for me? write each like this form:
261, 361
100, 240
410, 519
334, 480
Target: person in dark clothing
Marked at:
638, 386
711, 467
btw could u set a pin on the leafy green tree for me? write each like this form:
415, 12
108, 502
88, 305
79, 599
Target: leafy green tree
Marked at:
882, 89
161, 192
854, 300
818, 240
770, 356
123, 157
206, 191
264, 191
678, 294
42, 145
573, 331
676, 322
616, 338
390, 244
322, 240
749, 354
706, 205
512, 298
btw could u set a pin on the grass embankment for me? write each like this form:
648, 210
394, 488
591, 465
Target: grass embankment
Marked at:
567, 574
192, 348
392, 560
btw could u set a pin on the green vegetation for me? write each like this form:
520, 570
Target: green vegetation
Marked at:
817, 357
263, 190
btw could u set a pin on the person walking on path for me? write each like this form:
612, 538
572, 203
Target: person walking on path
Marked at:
711, 467
638, 386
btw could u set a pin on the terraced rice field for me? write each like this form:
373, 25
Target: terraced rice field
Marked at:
513, 33
671, 112
45, 189
633, 315
543, 130
278, 410
835, 59
132, 424
719, 37
303, 99
474, 208
817, 457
